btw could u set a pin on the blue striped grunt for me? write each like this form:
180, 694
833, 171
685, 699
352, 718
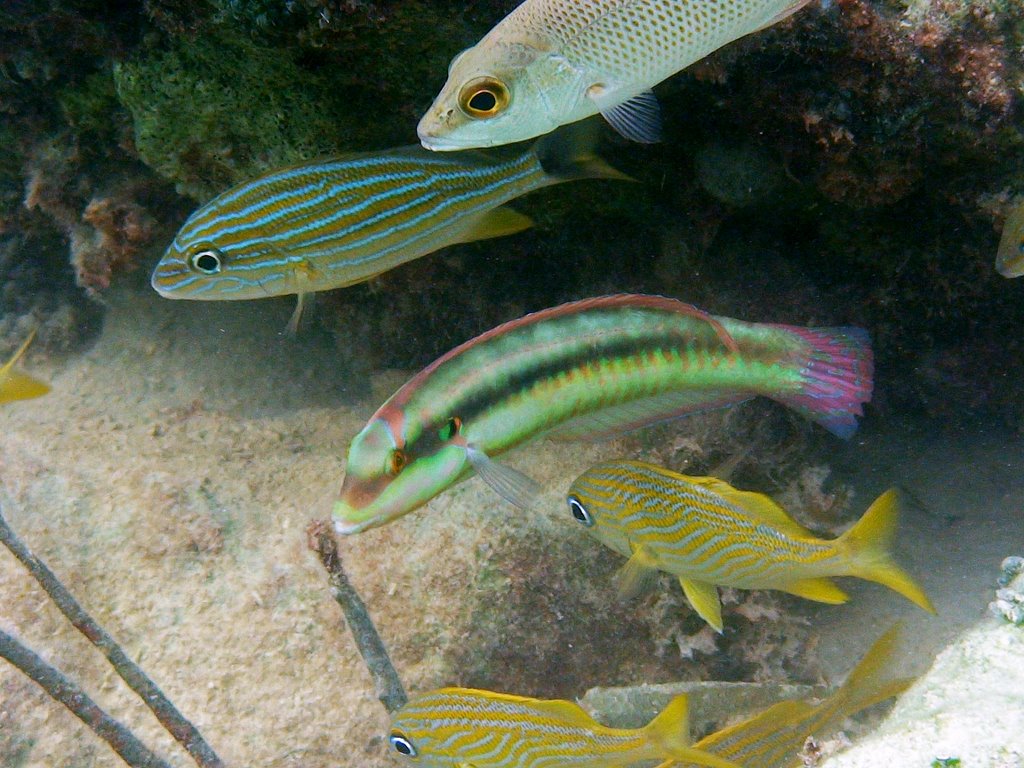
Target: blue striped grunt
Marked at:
333, 223
586, 370
775, 737
1010, 254
483, 729
15, 385
710, 534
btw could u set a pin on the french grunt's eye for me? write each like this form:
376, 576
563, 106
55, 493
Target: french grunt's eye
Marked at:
206, 261
580, 512
450, 429
401, 744
397, 461
483, 97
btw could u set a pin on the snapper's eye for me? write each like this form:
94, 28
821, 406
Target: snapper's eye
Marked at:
401, 745
397, 461
483, 97
206, 261
579, 512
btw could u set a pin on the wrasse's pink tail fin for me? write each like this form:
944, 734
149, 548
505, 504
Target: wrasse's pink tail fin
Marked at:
838, 377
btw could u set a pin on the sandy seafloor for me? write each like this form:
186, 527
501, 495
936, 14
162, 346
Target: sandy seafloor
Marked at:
169, 479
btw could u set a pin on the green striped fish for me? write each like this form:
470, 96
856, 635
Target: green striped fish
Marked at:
470, 727
332, 223
586, 370
708, 533
775, 737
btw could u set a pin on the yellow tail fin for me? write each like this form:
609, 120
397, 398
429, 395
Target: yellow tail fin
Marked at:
869, 542
669, 732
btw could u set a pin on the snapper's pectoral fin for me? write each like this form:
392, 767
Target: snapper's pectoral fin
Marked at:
704, 599
819, 590
498, 222
511, 484
637, 575
637, 119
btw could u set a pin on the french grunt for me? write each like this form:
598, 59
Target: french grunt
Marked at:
484, 729
709, 534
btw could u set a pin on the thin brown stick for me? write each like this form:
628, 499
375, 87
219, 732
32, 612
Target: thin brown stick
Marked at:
53, 681
385, 679
181, 729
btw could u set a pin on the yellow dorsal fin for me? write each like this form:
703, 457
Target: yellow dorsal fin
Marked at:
758, 505
497, 222
704, 599
669, 732
820, 590
565, 711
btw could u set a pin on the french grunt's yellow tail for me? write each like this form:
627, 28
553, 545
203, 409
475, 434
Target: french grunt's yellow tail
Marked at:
869, 545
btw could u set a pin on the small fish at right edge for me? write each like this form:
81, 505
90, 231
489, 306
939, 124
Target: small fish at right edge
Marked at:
709, 534
1010, 254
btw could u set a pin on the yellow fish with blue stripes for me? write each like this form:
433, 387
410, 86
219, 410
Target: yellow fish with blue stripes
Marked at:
337, 222
15, 385
775, 737
710, 534
483, 729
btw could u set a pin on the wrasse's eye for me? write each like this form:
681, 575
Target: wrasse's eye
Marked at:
397, 461
579, 512
483, 97
401, 744
206, 261
450, 429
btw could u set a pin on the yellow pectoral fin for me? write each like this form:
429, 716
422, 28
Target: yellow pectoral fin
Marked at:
638, 574
704, 599
693, 756
820, 590
20, 386
496, 223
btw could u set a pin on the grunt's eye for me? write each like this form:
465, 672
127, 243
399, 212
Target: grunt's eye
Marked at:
207, 262
483, 97
401, 744
450, 429
397, 461
580, 512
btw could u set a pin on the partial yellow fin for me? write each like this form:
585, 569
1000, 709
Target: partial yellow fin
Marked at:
868, 546
638, 574
704, 599
670, 733
820, 590
15, 385
757, 504
497, 222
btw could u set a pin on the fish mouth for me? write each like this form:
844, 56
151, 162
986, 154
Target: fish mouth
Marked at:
344, 524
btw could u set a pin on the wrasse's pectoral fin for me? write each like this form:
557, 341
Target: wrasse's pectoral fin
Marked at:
704, 599
637, 119
819, 590
637, 575
494, 223
511, 484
